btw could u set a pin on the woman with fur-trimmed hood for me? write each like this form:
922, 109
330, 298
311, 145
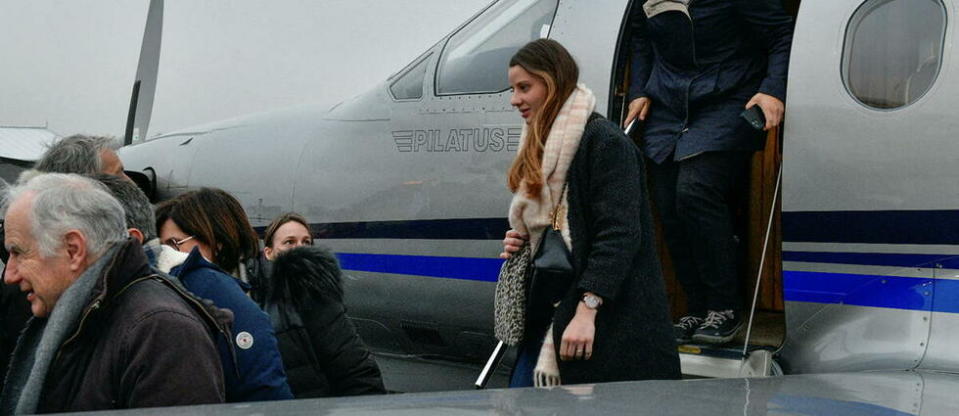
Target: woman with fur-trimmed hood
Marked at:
322, 352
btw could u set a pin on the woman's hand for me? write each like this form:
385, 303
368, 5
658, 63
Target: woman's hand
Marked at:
512, 243
577, 341
637, 108
772, 107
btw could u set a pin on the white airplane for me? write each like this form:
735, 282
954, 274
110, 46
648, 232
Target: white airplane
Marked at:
870, 221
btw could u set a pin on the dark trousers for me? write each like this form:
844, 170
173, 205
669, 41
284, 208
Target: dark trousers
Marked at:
696, 199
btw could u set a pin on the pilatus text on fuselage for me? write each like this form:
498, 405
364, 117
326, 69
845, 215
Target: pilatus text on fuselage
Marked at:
486, 139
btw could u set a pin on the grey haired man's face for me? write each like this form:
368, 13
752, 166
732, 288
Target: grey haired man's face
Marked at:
112, 165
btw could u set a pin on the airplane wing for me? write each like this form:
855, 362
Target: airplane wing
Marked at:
874, 393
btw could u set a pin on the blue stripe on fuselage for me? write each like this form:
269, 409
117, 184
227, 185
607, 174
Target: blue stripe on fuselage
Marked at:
878, 227
896, 292
880, 291
861, 290
461, 268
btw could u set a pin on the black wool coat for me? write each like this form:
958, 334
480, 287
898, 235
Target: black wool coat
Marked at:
614, 256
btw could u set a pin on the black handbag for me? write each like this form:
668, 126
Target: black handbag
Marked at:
552, 272
552, 256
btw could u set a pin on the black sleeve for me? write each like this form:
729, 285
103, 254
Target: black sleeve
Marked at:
769, 23
641, 59
615, 199
14, 313
348, 365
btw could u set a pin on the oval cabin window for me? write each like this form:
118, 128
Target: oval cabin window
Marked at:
893, 50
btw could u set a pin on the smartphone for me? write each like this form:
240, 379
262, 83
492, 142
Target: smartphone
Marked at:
634, 131
755, 117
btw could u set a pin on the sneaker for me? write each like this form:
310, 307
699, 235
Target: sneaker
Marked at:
683, 331
719, 327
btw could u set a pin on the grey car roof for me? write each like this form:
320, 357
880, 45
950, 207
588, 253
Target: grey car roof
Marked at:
868, 393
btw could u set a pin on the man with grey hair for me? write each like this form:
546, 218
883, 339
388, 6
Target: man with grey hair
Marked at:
254, 370
84, 155
139, 213
107, 333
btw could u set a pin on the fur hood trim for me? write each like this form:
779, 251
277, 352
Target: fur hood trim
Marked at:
305, 273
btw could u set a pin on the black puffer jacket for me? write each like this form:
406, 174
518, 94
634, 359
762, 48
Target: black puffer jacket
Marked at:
322, 353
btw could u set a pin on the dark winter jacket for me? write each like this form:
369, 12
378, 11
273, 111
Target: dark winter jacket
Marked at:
701, 70
614, 256
141, 341
14, 313
321, 350
258, 373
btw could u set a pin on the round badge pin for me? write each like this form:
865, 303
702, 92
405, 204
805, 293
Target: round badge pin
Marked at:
244, 340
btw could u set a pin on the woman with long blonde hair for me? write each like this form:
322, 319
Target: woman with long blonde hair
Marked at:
577, 171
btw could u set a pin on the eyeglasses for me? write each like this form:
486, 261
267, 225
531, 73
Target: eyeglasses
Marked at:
172, 242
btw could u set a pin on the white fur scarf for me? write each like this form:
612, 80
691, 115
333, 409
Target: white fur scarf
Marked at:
531, 215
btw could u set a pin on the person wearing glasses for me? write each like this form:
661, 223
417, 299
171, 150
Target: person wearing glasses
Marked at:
322, 352
212, 227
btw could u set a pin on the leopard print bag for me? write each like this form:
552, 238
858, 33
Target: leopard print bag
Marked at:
509, 303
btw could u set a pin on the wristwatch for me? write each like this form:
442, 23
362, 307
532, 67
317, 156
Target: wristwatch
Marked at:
592, 301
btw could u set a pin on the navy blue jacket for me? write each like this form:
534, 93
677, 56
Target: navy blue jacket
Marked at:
258, 374
700, 70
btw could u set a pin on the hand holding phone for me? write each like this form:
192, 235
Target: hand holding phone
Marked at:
754, 117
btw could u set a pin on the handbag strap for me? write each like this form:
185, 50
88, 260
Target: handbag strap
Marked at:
558, 205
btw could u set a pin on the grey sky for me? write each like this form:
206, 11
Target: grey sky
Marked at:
71, 64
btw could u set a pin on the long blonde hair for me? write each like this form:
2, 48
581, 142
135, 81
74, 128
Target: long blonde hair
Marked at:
551, 62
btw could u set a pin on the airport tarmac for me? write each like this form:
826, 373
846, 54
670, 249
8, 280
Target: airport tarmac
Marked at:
403, 373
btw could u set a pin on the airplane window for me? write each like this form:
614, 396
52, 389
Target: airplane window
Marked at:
409, 86
475, 58
893, 51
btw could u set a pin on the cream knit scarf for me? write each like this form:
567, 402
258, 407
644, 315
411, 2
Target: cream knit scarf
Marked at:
530, 216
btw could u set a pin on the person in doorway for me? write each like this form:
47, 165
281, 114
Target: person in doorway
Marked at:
611, 322
696, 66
